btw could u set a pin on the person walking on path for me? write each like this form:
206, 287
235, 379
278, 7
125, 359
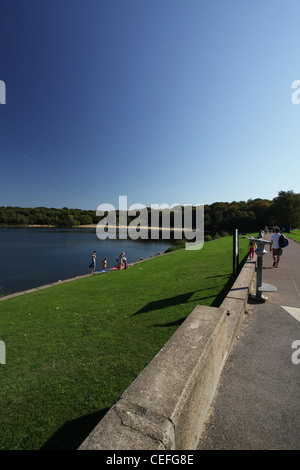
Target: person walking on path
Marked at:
275, 247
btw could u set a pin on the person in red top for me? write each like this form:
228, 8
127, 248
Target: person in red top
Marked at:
252, 246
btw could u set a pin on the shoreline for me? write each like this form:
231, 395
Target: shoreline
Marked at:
80, 276
92, 226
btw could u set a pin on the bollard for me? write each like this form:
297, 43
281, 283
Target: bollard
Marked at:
260, 286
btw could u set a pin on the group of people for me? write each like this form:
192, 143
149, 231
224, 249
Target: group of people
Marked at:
275, 247
121, 262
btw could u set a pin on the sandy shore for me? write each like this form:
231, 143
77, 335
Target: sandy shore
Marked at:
111, 226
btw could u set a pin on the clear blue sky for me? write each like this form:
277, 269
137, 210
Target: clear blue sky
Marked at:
164, 101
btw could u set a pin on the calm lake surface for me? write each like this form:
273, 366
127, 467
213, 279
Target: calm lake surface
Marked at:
32, 257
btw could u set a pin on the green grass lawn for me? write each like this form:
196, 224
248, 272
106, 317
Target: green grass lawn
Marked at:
295, 235
72, 349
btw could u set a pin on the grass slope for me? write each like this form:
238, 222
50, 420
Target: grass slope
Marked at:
295, 235
71, 350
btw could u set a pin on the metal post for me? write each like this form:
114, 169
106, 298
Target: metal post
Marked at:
237, 250
259, 270
260, 286
233, 252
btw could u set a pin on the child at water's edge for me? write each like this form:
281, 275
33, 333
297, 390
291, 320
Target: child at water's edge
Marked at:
104, 261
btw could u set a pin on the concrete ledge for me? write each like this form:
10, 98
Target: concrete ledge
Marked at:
130, 427
166, 406
236, 300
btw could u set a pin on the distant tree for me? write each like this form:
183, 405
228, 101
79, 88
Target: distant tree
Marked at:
3, 216
247, 216
85, 219
264, 212
287, 208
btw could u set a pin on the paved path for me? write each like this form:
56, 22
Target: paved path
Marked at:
257, 403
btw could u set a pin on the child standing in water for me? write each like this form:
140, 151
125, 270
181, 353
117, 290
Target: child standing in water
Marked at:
104, 261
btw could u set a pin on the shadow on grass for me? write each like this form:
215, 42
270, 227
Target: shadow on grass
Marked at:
71, 435
185, 298
164, 303
231, 280
218, 275
172, 323
170, 301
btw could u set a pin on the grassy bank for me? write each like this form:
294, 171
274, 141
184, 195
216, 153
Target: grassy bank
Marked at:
295, 235
72, 349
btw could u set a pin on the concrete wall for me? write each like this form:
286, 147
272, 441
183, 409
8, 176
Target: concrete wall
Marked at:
166, 406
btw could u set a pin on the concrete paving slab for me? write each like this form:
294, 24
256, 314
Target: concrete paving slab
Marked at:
257, 403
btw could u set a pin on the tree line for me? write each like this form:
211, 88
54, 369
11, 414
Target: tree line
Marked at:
247, 216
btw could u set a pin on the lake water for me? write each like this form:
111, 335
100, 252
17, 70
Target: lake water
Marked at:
32, 257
